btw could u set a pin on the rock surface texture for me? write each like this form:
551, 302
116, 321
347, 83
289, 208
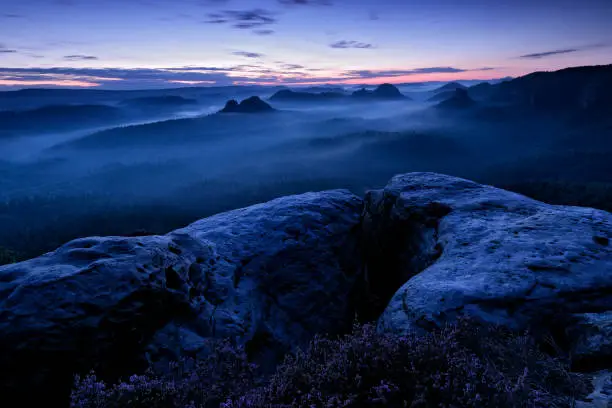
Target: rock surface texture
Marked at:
591, 335
274, 273
467, 249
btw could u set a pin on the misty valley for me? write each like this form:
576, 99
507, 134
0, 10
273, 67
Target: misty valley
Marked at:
77, 163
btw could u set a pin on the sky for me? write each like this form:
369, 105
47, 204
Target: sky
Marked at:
131, 44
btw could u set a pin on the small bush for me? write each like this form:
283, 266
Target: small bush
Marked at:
459, 366
8, 256
188, 383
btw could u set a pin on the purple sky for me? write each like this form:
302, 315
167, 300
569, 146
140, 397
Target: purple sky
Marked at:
155, 43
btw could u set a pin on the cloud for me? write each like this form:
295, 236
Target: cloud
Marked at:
5, 50
291, 67
343, 44
79, 57
264, 32
306, 2
366, 74
137, 78
142, 78
545, 54
248, 54
373, 15
539, 55
11, 15
243, 19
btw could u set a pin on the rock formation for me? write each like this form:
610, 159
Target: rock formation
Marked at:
250, 105
275, 273
431, 247
384, 91
462, 248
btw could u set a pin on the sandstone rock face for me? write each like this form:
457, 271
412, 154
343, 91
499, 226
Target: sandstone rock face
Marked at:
460, 248
592, 340
276, 273
428, 247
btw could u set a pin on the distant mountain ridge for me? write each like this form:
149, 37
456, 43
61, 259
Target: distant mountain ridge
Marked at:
159, 101
459, 100
451, 86
586, 88
290, 95
58, 118
382, 92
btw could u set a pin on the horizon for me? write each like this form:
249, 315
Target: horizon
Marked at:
152, 44
172, 87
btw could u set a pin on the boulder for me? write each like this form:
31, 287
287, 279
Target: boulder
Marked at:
274, 274
442, 247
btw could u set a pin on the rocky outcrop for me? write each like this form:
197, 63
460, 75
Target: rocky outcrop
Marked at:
384, 91
418, 254
250, 105
592, 340
601, 396
273, 274
464, 249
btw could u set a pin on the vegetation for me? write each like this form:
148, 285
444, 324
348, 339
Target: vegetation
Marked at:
463, 365
7, 256
38, 224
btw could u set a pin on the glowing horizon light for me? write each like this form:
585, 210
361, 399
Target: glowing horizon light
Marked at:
177, 81
64, 83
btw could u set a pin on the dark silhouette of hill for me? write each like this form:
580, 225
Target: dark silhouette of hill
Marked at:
441, 96
384, 91
460, 100
289, 95
481, 91
250, 105
173, 132
585, 90
318, 89
34, 98
58, 118
451, 86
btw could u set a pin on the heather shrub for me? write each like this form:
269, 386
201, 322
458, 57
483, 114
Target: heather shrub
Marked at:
458, 366
191, 383
8, 256
463, 365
